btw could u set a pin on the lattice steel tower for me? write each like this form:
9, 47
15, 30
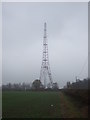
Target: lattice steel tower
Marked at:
45, 72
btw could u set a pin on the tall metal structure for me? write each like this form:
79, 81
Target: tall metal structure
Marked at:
45, 72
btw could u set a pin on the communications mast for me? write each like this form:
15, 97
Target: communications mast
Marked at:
45, 72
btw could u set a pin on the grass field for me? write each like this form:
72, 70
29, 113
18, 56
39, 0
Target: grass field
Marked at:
31, 104
27, 104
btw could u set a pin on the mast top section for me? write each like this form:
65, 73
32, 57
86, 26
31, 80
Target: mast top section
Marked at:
45, 25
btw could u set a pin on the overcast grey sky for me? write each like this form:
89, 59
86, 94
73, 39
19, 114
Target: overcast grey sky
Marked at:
67, 27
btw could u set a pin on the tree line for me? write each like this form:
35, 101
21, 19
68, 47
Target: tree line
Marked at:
79, 84
35, 85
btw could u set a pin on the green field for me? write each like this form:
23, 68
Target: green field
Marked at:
31, 104
27, 104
